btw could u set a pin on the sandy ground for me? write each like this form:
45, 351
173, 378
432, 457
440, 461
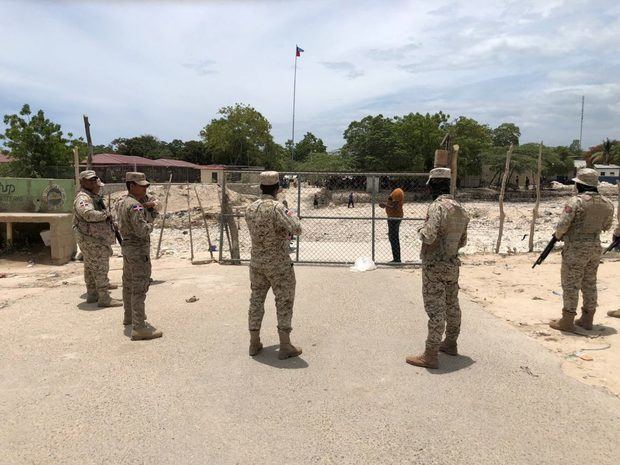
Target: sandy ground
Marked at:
75, 390
504, 285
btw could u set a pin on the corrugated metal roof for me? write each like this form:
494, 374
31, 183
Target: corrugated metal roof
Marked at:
118, 159
179, 163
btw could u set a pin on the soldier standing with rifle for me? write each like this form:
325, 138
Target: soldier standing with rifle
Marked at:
95, 235
616, 313
584, 217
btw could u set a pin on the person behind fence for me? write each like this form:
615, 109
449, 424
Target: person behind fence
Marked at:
270, 225
394, 210
95, 236
135, 227
315, 201
444, 232
581, 222
350, 204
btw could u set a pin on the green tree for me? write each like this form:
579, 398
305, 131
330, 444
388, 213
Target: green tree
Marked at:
419, 136
372, 145
307, 145
505, 134
242, 136
37, 146
324, 162
146, 146
195, 151
603, 153
473, 138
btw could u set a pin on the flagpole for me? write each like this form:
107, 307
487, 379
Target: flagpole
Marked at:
294, 90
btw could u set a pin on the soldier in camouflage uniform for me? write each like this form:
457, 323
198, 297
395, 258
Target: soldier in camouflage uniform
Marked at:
443, 234
616, 313
136, 228
271, 226
584, 217
94, 235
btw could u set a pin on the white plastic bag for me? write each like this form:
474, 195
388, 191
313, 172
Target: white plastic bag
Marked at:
364, 264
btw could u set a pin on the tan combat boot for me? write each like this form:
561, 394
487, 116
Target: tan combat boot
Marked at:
255, 345
586, 319
145, 332
428, 359
448, 347
614, 313
287, 350
109, 302
566, 323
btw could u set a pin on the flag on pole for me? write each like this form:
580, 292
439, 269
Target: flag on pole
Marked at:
298, 51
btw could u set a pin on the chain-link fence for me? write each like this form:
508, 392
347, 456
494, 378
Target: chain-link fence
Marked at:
343, 215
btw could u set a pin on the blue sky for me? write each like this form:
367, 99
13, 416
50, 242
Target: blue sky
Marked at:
165, 68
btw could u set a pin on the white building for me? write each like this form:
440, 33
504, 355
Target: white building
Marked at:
606, 171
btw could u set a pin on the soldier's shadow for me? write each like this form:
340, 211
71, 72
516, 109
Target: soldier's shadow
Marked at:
269, 356
449, 364
89, 307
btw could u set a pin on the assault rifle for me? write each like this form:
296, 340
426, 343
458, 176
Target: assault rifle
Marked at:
117, 233
546, 252
613, 245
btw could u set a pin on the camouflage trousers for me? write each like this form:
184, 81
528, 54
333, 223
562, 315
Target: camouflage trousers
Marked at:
96, 267
136, 281
440, 291
280, 278
580, 262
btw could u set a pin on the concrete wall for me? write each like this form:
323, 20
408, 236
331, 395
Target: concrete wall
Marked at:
31, 195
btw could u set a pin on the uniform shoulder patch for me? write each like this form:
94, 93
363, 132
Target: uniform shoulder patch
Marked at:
82, 203
568, 209
137, 208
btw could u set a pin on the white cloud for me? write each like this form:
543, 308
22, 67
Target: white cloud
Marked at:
165, 68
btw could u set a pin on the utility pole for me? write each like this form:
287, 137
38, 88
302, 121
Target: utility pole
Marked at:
297, 55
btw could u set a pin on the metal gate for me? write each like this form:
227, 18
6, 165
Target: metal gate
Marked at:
341, 214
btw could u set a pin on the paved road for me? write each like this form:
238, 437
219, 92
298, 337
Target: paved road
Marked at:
75, 390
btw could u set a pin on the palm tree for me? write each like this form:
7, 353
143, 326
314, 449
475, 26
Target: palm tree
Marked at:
605, 156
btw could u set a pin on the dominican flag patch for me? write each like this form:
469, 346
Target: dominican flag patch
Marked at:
137, 208
82, 203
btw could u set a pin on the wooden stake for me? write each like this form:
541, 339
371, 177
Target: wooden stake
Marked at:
232, 229
454, 168
163, 219
189, 217
502, 215
204, 218
76, 167
89, 140
537, 204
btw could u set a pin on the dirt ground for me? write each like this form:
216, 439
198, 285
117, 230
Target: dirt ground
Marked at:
504, 285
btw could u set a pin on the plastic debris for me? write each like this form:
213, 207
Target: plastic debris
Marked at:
192, 299
363, 264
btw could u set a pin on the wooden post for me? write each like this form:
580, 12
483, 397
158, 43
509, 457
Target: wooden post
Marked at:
537, 204
454, 168
204, 218
76, 167
189, 217
502, 215
231, 225
89, 140
163, 219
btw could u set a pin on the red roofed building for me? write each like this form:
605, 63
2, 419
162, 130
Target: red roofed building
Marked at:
111, 167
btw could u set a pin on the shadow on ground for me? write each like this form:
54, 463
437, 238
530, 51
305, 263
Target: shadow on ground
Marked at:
269, 356
449, 364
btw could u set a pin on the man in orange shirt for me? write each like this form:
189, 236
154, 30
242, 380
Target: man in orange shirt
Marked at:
394, 210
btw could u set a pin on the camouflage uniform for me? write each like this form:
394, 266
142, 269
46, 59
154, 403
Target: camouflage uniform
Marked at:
443, 234
95, 236
271, 227
135, 224
584, 217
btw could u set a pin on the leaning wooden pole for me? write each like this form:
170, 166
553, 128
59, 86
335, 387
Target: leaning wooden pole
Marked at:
89, 141
502, 192
163, 218
537, 204
204, 218
76, 168
189, 218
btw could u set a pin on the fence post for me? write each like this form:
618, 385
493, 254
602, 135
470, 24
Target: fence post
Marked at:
298, 213
222, 216
373, 202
